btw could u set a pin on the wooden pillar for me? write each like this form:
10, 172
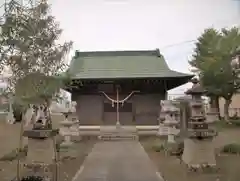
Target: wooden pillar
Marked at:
102, 118
134, 109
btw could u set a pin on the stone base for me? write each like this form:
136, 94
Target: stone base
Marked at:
212, 117
117, 134
171, 138
47, 171
198, 153
66, 144
56, 120
67, 141
76, 138
162, 131
40, 151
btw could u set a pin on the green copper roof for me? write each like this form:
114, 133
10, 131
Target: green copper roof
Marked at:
121, 64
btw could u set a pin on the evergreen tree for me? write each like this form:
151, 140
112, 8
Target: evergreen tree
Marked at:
212, 61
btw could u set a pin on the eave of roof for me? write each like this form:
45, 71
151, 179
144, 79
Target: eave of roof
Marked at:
122, 65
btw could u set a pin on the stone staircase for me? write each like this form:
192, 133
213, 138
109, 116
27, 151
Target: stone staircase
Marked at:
111, 133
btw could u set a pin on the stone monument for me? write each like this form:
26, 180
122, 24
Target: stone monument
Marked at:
198, 146
169, 119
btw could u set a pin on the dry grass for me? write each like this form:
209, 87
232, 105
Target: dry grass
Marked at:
71, 158
171, 168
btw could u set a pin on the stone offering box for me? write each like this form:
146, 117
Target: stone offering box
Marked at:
41, 133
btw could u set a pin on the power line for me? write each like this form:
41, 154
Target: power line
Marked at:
191, 41
177, 44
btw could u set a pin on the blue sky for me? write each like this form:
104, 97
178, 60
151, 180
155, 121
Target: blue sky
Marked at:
142, 24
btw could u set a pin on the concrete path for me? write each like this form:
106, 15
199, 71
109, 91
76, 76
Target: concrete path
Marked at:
118, 161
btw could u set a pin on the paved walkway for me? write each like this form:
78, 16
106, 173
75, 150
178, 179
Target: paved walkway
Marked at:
118, 161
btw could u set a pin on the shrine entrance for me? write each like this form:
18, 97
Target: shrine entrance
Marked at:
125, 113
118, 109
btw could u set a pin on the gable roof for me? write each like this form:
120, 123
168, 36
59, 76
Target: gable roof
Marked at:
121, 64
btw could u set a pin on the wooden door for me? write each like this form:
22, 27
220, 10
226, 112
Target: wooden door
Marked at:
125, 113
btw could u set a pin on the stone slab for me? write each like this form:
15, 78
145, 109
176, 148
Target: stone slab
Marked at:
118, 161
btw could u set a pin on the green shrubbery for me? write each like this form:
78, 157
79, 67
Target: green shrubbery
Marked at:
231, 148
172, 149
235, 122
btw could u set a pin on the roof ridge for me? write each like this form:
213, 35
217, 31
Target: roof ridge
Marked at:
155, 52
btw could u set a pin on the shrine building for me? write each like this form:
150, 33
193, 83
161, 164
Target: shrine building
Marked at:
102, 76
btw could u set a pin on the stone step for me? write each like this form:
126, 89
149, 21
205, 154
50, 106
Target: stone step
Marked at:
118, 134
117, 138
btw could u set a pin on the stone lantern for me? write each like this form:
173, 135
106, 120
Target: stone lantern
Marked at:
198, 146
70, 126
169, 119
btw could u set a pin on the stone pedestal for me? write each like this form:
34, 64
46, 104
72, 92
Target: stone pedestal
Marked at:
198, 153
41, 152
172, 131
57, 118
75, 132
162, 130
171, 138
10, 118
169, 119
40, 142
65, 131
211, 117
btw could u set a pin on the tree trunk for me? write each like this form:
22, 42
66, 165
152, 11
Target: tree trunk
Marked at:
214, 105
20, 145
218, 108
226, 108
